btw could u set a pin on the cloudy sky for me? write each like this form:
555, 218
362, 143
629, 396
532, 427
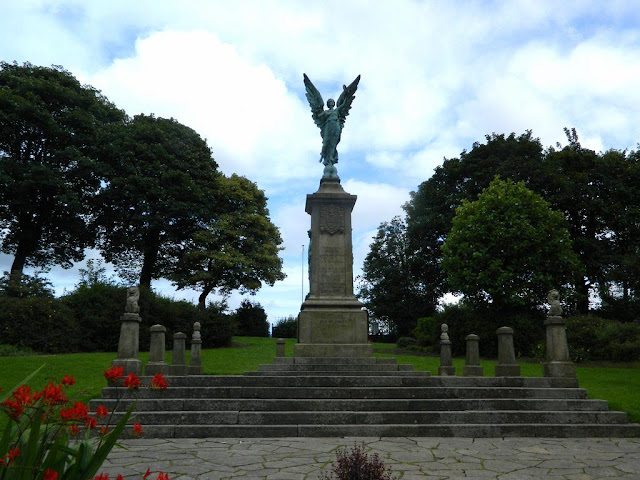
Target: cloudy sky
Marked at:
436, 77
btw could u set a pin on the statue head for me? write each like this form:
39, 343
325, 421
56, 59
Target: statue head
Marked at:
331, 103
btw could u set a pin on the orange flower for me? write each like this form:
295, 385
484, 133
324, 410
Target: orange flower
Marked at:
163, 476
50, 475
159, 382
68, 380
101, 411
114, 373
132, 382
137, 429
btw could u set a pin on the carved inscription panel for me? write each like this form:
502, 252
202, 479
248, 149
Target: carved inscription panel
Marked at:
332, 219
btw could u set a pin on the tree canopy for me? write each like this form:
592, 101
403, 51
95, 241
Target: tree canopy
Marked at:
52, 130
508, 248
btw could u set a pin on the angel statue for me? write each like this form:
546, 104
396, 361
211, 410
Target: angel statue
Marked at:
330, 121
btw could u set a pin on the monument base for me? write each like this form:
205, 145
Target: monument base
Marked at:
332, 350
151, 368
446, 371
559, 369
507, 370
130, 365
472, 371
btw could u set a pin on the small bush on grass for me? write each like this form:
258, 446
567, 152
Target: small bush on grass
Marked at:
356, 465
285, 328
595, 338
404, 342
14, 351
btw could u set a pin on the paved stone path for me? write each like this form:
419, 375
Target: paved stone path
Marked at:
409, 458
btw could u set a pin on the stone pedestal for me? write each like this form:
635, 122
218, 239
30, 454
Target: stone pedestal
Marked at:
558, 363
446, 360
507, 366
280, 347
156, 363
331, 322
472, 367
195, 362
178, 365
129, 344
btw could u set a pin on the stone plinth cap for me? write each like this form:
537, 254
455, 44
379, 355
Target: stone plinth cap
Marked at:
554, 321
472, 336
179, 335
504, 331
158, 328
130, 317
280, 341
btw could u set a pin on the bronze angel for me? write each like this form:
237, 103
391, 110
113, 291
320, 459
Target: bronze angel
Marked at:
330, 121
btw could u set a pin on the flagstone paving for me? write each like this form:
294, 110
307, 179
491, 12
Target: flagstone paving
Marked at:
409, 458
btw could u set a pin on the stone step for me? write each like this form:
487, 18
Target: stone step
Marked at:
334, 360
350, 392
270, 405
321, 367
372, 418
329, 373
390, 379
392, 430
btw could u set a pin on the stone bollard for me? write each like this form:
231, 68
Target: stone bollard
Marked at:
557, 362
156, 363
178, 365
446, 361
507, 366
472, 367
129, 343
280, 347
195, 362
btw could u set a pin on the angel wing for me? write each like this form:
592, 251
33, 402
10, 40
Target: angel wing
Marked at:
315, 101
346, 99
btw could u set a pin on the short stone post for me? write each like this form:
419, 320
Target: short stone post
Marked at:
472, 367
558, 363
507, 366
195, 362
129, 343
280, 347
178, 365
446, 360
156, 363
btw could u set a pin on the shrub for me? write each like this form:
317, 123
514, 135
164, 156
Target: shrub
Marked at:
404, 342
285, 328
427, 332
251, 320
356, 465
595, 338
13, 351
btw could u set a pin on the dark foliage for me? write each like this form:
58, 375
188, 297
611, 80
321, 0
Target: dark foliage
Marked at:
357, 465
595, 338
251, 320
285, 328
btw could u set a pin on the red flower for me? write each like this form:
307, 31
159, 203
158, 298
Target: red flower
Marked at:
102, 476
19, 400
68, 380
104, 429
132, 381
101, 411
53, 394
144, 477
74, 430
13, 453
114, 373
90, 423
119, 477
50, 475
163, 476
137, 429
159, 382
79, 412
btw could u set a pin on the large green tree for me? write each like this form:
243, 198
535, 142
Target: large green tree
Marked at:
163, 185
508, 248
52, 130
387, 287
237, 249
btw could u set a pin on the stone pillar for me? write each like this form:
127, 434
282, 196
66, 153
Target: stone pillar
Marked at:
557, 362
195, 362
129, 343
156, 363
280, 347
178, 365
332, 322
507, 366
472, 367
446, 360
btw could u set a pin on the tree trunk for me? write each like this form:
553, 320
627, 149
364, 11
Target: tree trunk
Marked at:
152, 245
582, 288
202, 299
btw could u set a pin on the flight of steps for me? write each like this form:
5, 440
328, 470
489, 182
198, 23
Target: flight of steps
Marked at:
335, 397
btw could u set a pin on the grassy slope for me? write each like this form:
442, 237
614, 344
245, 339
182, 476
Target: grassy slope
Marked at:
615, 383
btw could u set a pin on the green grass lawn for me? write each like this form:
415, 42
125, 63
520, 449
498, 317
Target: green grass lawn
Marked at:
617, 383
